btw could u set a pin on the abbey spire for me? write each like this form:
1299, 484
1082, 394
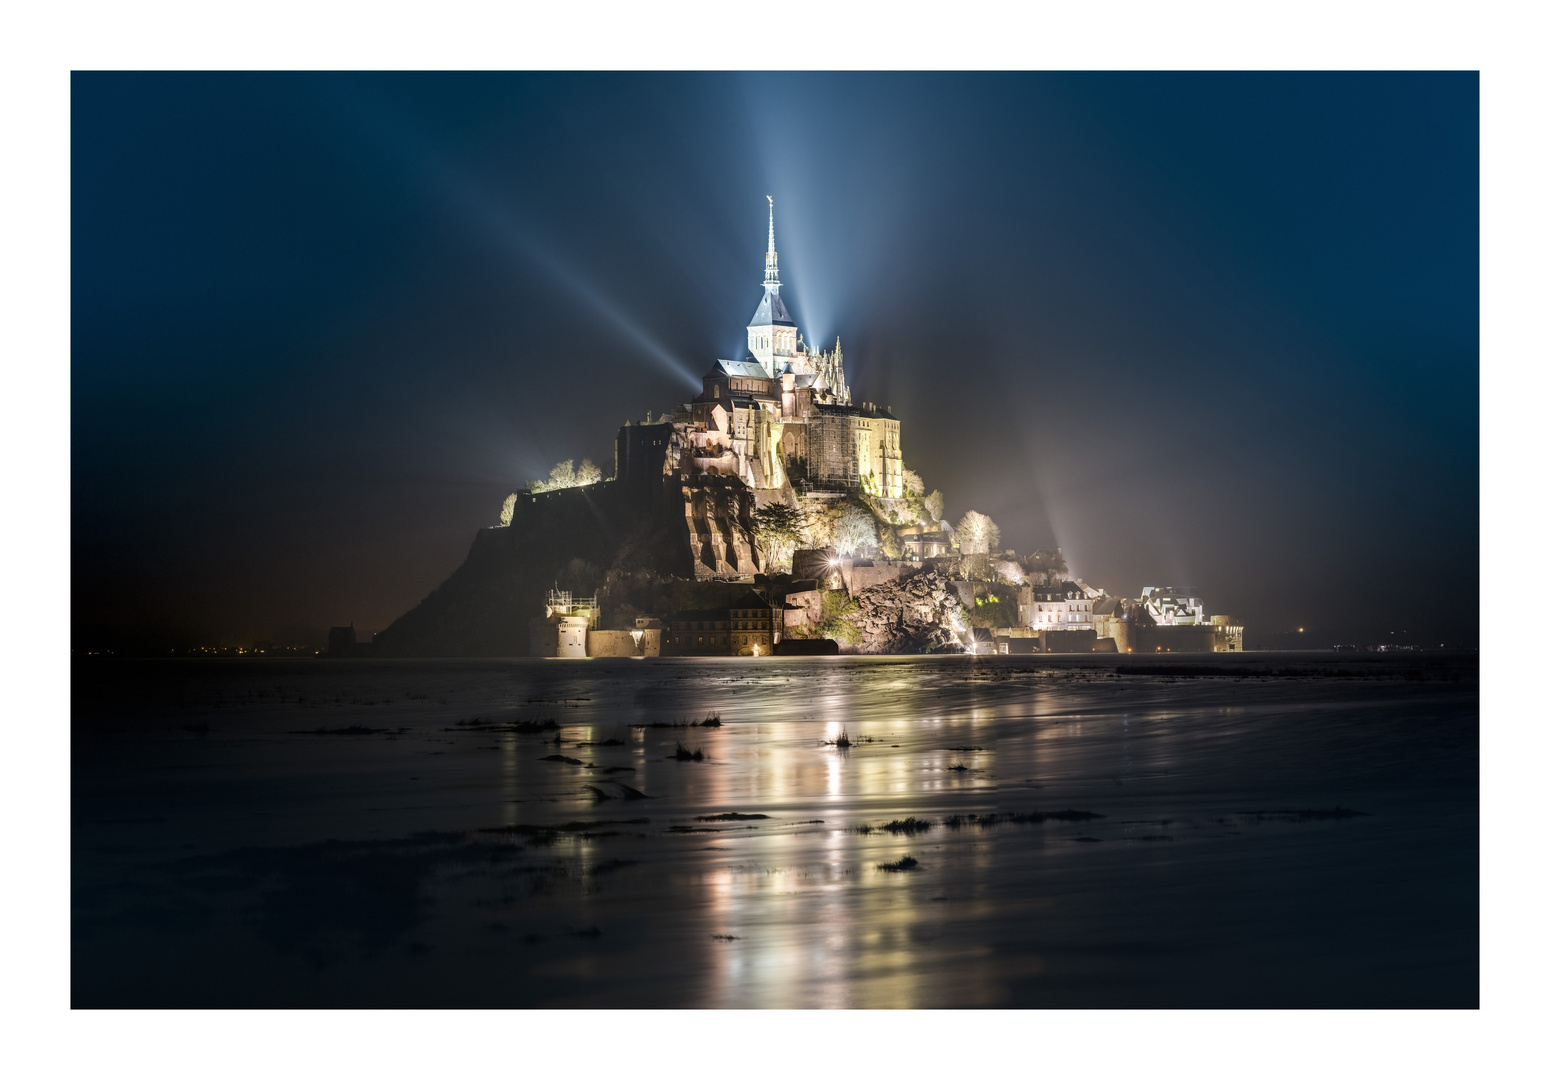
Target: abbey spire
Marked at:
772, 333
771, 266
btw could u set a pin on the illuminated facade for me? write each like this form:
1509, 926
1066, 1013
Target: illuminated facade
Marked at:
1169, 607
749, 626
563, 629
783, 415
1065, 605
1164, 620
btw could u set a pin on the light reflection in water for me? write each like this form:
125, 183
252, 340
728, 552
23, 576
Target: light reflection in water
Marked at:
989, 916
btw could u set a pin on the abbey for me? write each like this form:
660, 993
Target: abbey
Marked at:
730, 525
783, 414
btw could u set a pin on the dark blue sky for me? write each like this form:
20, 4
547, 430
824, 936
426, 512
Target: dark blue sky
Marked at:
1212, 330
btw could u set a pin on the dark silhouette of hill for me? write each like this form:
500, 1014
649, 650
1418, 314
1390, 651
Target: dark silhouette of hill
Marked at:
644, 528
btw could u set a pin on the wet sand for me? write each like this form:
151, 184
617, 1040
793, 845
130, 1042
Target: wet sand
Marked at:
1266, 830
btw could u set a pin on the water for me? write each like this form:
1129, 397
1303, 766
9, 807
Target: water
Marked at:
225, 855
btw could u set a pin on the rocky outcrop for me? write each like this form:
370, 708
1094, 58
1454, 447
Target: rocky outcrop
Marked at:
718, 514
919, 614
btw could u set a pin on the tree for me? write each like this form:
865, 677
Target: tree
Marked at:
838, 621
508, 508
977, 534
779, 529
566, 475
913, 484
1045, 567
976, 568
562, 475
853, 531
935, 506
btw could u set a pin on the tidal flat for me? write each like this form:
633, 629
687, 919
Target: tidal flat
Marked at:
1257, 830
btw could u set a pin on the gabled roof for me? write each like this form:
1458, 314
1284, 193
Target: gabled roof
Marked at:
743, 369
771, 311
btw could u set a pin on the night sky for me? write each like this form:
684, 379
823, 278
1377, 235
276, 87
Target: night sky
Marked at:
1216, 331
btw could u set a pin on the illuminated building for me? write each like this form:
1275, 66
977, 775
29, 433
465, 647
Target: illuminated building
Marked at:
563, 629
1165, 620
749, 626
784, 416
1065, 605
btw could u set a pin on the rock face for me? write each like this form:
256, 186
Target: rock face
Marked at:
919, 614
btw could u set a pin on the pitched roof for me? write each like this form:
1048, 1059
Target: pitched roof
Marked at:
743, 369
1060, 590
771, 311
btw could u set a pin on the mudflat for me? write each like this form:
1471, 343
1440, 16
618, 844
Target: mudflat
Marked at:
1295, 830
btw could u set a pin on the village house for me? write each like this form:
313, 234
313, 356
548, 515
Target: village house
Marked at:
749, 626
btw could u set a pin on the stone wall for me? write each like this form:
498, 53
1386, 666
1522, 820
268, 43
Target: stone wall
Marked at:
812, 563
1153, 639
863, 574
622, 643
809, 605
1019, 641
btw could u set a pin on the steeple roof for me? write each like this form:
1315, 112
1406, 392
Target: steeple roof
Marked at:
771, 310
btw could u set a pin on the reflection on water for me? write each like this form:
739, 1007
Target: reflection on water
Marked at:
382, 833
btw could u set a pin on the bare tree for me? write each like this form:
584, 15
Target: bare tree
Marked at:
977, 534
566, 475
853, 531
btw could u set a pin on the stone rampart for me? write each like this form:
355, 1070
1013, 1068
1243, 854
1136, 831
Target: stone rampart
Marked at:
862, 574
622, 643
809, 605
